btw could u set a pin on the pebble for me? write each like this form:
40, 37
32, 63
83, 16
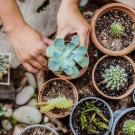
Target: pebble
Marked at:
32, 102
83, 3
27, 115
25, 95
6, 125
18, 129
46, 119
8, 110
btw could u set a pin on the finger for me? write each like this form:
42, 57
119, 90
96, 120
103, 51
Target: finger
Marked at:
83, 37
30, 68
36, 65
42, 61
88, 39
47, 40
61, 34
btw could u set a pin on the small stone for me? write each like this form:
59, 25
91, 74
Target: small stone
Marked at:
6, 125
46, 119
8, 110
31, 79
25, 95
27, 115
18, 129
83, 3
32, 102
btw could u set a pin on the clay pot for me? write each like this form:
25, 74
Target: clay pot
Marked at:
98, 14
50, 114
66, 77
130, 89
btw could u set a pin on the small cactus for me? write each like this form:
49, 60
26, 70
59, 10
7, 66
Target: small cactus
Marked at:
58, 102
4, 66
117, 30
115, 77
129, 127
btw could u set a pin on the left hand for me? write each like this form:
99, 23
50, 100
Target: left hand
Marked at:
71, 21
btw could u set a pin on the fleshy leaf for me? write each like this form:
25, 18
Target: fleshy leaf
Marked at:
75, 39
54, 66
66, 63
84, 62
76, 72
68, 71
59, 43
50, 50
77, 57
81, 50
70, 47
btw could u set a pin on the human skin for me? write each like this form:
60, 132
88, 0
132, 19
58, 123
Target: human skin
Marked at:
28, 43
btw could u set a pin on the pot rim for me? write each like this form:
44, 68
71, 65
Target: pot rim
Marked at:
119, 117
39, 125
92, 98
74, 91
128, 91
129, 10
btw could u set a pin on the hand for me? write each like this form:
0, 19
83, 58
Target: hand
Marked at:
30, 47
71, 21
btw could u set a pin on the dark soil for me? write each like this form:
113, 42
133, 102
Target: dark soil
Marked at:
103, 27
58, 88
37, 131
128, 116
77, 113
113, 61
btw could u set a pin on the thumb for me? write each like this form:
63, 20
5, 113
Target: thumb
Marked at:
47, 41
83, 38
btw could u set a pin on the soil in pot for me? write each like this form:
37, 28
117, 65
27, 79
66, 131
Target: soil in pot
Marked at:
55, 89
86, 120
104, 34
128, 79
37, 131
126, 117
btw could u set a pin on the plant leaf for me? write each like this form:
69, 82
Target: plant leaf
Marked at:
53, 65
67, 63
80, 50
102, 125
103, 117
76, 72
75, 39
77, 57
59, 43
68, 71
70, 47
84, 62
91, 130
83, 121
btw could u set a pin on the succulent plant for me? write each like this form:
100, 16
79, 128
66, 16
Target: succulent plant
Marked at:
97, 119
4, 65
58, 102
115, 77
117, 30
129, 127
64, 58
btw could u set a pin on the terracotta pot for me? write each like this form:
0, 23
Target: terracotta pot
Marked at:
83, 70
68, 111
102, 11
130, 89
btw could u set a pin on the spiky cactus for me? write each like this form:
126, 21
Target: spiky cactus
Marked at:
4, 65
117, 30
58, 102
115, 77
129, 127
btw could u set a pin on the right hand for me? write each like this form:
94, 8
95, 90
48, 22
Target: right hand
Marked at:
30, 47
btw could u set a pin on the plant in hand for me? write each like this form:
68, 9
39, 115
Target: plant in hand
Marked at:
129, 127
117, 30
4, 66
115, 77
97, 122
58, 102
66, 58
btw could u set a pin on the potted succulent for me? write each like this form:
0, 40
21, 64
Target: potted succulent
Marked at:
113, 27
114, 77
124, 123
57, 97
67, 60
91, 115
38, 130
4, 69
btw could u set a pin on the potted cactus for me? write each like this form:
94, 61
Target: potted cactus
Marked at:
38, 130
4, 69
67, 60
57, 97
91, 116
124, 123
114, 77
113, 27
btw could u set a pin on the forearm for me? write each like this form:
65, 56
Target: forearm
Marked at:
10, 15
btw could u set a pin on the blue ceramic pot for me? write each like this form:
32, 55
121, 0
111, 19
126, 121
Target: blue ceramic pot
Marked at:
40, 126
120, 114
134, 96
92, 98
